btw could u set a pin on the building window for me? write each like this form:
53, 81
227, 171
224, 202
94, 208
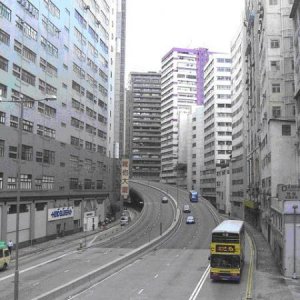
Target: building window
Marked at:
47, 67
76, 142
3, 90
27, 126
74, 183
88, 184
80, 18
50, 27
47, 88
12, 152
275, 88
77, 105
50, 48
275, 65
14, 121
1, 181
29, 31
2, 148
49, 157
47, 182
77, 123
79, 71
273, 2
47, 110
90, 146
26, 181
286, 130
27, 5
4, 37
24, 75
275, 44
45, 131
53, 9
276, 111
24, 51
2, 117
5, 11
11, 183
78, 88
27, 153
3, 63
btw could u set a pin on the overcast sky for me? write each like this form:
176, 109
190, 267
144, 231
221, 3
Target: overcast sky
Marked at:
156, 26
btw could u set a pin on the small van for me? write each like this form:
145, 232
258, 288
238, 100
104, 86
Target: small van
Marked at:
186, 208
4, 256
124, 220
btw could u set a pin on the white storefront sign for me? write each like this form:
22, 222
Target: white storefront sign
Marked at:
60, 213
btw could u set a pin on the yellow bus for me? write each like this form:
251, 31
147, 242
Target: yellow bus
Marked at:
4, 256
227, 251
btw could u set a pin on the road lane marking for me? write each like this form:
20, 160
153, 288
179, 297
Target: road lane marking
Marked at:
140, 291
101, 281
250, 271
66, 271
200, 284
92, 241
39, 265
156, 276
36, 283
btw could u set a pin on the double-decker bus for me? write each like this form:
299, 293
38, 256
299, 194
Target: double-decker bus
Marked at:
193, 196
227, 250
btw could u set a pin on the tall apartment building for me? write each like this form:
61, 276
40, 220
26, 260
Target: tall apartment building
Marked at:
238, 156
119, 87
217, 121
61, 48
270, 129
195, 158
181, 89
145, 125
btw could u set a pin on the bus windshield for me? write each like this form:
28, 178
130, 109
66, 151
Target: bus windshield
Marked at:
225, 261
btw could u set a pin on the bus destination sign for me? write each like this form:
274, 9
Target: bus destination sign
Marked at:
225, 248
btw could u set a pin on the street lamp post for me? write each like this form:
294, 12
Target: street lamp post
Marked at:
294, 221
19, 162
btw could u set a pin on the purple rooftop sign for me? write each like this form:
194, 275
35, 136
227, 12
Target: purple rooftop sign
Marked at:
202, 55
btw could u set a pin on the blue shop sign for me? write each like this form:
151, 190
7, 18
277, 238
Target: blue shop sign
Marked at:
60, 213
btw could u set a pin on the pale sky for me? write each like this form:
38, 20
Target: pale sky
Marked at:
156, 26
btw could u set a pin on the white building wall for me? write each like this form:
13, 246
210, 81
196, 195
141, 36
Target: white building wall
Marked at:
217, 120
40, 223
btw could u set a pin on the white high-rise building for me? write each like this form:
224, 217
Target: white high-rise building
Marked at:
217, 121
182, 88
238, 157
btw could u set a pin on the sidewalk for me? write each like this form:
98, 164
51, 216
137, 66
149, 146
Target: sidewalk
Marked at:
269, 284
39, 247
103, 231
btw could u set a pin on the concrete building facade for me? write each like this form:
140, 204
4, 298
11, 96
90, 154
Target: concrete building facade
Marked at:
195, 158
217, 121
182, 87
238, 156
63, 49
270, 128
145, 125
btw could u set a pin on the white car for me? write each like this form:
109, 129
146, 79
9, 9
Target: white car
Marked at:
164, 199
124, 220
190, 220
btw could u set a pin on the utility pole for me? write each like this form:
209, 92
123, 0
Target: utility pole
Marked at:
294, 219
